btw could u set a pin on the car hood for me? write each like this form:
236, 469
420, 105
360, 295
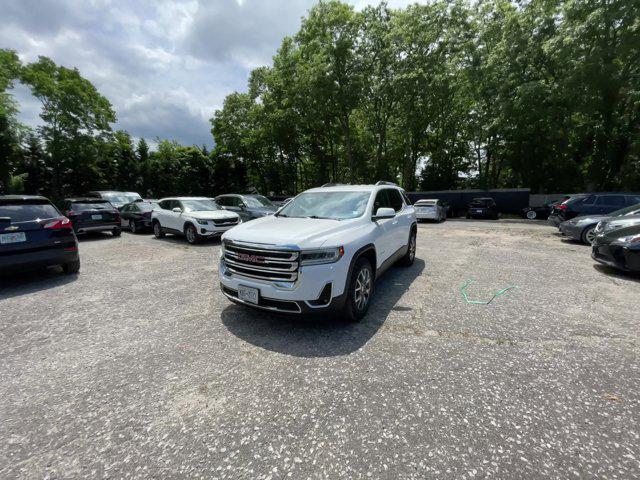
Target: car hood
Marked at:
588, 219
295, 232
212, 214
264, 209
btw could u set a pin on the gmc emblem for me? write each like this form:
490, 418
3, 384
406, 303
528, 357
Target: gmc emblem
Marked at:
245, 257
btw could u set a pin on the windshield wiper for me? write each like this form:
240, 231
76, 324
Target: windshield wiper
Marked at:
321, 218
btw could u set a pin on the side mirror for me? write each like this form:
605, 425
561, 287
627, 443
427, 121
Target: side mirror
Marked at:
383, 213
176, 210
242, 206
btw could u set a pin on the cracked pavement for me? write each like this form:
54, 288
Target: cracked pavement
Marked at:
140, 368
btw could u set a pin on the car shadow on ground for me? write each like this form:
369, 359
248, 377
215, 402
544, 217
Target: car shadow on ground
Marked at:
22, 283
95, 236
615, 273
178, 240
321, 336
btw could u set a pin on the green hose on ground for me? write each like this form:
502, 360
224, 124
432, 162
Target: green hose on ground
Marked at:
463, 289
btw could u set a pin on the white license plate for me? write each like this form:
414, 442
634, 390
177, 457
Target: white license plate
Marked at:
248, 294
13, 237
96, 217
478, 210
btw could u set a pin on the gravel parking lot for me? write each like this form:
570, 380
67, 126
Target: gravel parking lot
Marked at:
140, 368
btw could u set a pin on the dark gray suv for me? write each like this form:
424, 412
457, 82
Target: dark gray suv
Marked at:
247, 206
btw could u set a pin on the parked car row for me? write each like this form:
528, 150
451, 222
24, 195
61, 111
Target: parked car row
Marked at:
598, 221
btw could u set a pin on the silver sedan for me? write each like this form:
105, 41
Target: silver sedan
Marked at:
583, 229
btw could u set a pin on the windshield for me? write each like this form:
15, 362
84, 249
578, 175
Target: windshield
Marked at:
117, 198
425, 202
632, 210
334, 205
83, 206
257, 201
199, 205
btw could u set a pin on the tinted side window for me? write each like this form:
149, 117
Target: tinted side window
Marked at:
395, 199
590, 200
382, 201
165, 204
235, 201
612, 200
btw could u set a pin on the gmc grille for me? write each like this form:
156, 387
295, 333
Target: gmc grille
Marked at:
262, 263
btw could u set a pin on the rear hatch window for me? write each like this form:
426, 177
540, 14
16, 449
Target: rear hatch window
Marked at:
27, 212
481, 203
98, 205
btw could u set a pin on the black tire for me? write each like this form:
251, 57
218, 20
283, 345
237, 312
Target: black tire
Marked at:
116, 232
357, 302
588, 235
132, 226
71, 267
191, 233
157, 230
410, 257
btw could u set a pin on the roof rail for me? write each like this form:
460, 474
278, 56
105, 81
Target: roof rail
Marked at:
331, 185
382, 182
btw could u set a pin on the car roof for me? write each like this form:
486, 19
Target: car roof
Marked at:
353, 188
23, 197
427, 200
86, 199
184, 198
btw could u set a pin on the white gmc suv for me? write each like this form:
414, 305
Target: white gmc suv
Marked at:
321, 252
196, 218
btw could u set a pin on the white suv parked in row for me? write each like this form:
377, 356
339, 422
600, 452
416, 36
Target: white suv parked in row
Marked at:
196, 218
321, 252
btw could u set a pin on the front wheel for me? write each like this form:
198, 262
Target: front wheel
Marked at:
191, 234
531, 215
589, 235
360, 291
132, 227
409, 257
157, 230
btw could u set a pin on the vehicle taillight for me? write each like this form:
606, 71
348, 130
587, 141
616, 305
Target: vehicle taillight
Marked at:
59, 224
562, 206
635, 239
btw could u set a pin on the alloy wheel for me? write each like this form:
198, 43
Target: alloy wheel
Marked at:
412, 247
132, 226
191, 235
362, 291
590, 236
531, 215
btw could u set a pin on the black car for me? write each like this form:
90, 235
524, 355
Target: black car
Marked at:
34, 234
483, 208
247, 206
92, 215
541, 212
619, 248
136, 216
591, 204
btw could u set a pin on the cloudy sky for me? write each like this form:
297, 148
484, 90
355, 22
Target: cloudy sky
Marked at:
166, 66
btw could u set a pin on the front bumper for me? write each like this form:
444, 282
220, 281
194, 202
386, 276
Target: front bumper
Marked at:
618, 256
211, 231
292, 297
570, 230
12, 263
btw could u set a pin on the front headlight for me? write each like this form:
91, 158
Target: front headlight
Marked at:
320, 256
630, 239
619, 224
202, 222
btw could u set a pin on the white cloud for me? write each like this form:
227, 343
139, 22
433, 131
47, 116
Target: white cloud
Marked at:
166, 66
